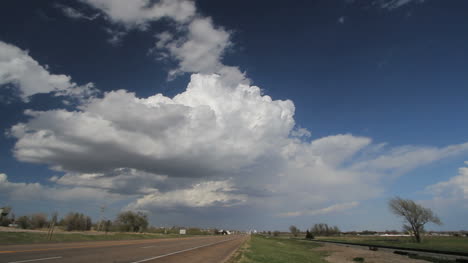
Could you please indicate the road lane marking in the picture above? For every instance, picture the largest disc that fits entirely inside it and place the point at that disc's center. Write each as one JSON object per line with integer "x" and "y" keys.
{"x": 182, "y": 251}
{"x": 31, "y": 260}
{"x": 63, "y": 248}
{"x": 148, "y": 246}
{"x": 115, "y": 243}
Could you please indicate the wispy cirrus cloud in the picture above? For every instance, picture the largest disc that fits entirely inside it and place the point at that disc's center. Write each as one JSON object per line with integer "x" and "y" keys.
{"x": 389, "y": 5}
{"x": 336, "y": 208}
{"x": 394, "y": 4}
{"x": 75, "y": 13}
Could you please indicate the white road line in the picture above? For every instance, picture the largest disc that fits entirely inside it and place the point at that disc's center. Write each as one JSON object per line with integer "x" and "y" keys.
{"x": 31, "y": 260}
{"x": 182, "y": 251}
{"x": 148, "y": 246}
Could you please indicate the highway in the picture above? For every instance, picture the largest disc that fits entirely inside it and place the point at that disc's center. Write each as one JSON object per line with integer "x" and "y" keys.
{"x": 209, "y": 249}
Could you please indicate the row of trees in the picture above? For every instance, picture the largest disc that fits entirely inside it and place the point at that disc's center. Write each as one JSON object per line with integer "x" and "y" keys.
{"x": 125, "y": 222}
{"x": 316, "y": 230}
{"x": 414, "y": 215}
{"x": 34, "y": 221}
{"x": 324, "y": 230}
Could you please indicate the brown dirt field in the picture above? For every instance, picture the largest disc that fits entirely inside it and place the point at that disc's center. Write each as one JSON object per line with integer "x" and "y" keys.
{"x": 342, "y": 254}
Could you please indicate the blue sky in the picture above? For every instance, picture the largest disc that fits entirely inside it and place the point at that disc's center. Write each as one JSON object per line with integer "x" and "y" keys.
{"x": 270, "y": 114}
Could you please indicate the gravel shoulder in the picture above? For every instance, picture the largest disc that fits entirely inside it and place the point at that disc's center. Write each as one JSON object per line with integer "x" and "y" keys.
{"x": 342, "y": 254}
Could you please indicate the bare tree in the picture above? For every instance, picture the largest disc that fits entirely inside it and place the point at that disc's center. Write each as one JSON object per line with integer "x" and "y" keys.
{"x": 294, "y": 230}
{"x": 415, "y": 215}
{"x": 38, "y": 221}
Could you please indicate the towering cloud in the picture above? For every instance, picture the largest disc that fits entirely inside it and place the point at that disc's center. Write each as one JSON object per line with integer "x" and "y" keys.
{"x": 205, "y": 130}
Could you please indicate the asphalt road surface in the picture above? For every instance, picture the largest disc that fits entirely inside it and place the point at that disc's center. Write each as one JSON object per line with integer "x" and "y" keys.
{"x": 194, "y": 249}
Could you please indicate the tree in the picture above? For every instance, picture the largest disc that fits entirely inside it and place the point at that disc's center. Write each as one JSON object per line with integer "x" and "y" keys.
{"x": 107, "y": 225}
{"x": 132, "y": 222}
{"x": 294, "y": 231}
{"x": 24, "y": 222}
{"x": 416, "y": 216}
{"x": 76, "y": 221}
{"x": 309, "y": 235}
{"x": 4, "y": 220}
{"x": 38, "y": 221}
{"x": 324, "y": 230}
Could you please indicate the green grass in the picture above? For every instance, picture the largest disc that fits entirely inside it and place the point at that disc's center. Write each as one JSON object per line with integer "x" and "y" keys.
{"x": 9, "y": 238}
{"x": 430, "y": 259}
{"x": 280, "y": 250}
{"x": 455, "y": 244}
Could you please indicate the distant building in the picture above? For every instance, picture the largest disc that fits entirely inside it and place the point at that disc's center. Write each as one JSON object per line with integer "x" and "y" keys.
{"x": 395, "y": 235}
{"x": 224, "y": 232}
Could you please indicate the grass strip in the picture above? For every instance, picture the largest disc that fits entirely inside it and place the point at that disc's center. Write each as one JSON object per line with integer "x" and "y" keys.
{"x": 278, "y": 250}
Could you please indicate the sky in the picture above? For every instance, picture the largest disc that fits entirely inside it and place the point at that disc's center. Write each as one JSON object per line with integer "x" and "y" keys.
{"x": 235, "y": 114}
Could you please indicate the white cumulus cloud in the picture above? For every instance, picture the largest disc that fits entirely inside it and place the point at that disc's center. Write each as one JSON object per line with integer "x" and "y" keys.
{"x": 160, "y": 148}
{"x": 20, "y": 70}
{"x": 207, "y": 129}
{"x": 200, "y": 50}
{"x": 122, "y": 181}
{"x": 454, "y": 188}
{"x": 137, "y": 13}
{"x": 210, "y": 193}
{"x": 198, "y": 47}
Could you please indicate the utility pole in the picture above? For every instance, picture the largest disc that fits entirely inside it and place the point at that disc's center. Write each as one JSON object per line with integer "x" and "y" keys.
{"x": 101, "y": 221}
{"x": 53, "y": 221}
